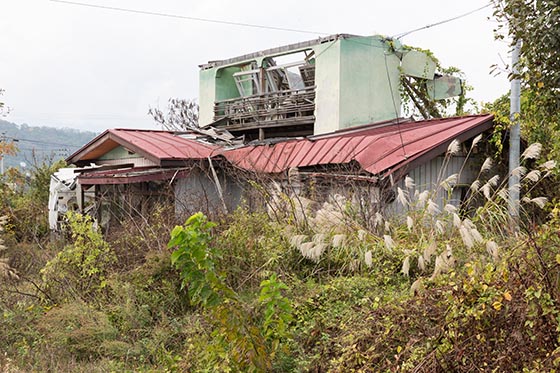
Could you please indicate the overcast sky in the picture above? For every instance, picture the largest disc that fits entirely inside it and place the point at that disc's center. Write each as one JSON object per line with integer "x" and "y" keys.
{"x": 64, "y": 65}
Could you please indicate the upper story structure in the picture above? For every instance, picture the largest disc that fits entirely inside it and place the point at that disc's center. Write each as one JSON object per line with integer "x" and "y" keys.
{"x": 314, "y": 87}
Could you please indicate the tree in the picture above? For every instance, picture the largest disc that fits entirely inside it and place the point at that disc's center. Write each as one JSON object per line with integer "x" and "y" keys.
{"x": 182, "y": 115}
{"x": 537, "y": 24}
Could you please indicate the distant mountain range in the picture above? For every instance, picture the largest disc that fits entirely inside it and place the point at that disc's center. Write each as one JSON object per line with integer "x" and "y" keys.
{"x": 37, "y": 144}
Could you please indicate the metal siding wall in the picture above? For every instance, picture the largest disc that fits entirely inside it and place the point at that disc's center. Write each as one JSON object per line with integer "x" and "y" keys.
{"x": 425, "y": 177}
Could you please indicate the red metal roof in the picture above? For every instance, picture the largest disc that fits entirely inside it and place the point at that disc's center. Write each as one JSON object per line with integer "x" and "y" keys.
{"x": 161, "y": 147}
{"x": 378, "y": 149}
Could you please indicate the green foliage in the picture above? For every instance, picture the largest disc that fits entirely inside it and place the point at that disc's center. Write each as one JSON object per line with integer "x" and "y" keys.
{"x": 80, "y": 270}
{"x": 277, "y": 308}
{"x": 255, "y": 247}
{"x": 241, "y": 342}
{"x": 270, "y": 294}
{"x": 25, "y": 200}
{"x": 416, "y": 100}
{"x": 196, "y": 260}
{"x": 537, "y": 25}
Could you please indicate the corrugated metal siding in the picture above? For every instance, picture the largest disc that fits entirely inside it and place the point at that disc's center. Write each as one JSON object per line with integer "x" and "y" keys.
{"x": 429, "y": 175}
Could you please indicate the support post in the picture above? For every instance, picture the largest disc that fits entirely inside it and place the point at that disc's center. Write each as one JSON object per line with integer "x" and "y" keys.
{"x": 514, "y": 138}
{"x": 218, "y": 186}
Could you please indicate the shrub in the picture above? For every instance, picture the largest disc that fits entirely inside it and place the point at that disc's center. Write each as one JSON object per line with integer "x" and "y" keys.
{"x": 80, "y": 270}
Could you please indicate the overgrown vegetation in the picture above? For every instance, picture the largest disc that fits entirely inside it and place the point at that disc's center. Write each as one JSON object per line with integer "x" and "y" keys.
{"x": 293, "y": 289}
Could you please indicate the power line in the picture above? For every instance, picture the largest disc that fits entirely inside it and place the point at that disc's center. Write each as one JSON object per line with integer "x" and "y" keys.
{"x": 398, "y": 36}
{"x": 199, "y": 19}
{"x": 41, "y": 142}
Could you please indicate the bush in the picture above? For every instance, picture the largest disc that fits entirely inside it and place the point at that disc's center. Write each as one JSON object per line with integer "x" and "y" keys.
{"x": 79, "y": 271}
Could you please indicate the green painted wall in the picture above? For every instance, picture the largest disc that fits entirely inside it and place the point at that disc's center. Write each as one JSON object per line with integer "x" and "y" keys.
{"x": 215, "y": 85}
{"x": 118, "y": 153}
{"x": 225, "y": 84}
{"x": 369, "y": 82}
{"x": 327, "y": 80}
{"x": 206, "y": 96}
{"x": 353, "y": 83}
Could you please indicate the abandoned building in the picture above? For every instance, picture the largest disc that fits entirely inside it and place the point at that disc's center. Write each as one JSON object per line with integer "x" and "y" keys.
{"x": 314, "y": 119}
{"x": 315, "y": 87}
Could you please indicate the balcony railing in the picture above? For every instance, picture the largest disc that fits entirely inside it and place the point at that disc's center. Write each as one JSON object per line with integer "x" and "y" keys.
{"x": 273, "y": 109}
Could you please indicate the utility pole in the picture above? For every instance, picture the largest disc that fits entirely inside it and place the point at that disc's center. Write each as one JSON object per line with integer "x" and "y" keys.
{"x": 3, "y": 143}
{"x": 514, "y": 137}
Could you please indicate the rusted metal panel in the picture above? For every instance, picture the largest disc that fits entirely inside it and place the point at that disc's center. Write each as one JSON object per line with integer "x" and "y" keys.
{"x": 130, "y": 176}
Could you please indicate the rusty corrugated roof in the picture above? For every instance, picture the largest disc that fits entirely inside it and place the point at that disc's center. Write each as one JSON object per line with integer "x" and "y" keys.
{"x": 161, "y": 147}
{"x": 377, "y": 149}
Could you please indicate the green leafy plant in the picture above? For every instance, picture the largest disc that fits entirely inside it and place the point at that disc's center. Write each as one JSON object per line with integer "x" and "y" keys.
{"x": 241, "y": 341}
{"x": 80, "y": 270}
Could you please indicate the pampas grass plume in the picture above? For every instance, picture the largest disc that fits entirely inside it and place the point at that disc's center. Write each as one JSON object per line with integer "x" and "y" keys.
{"x": 401, "y": 197}
{"x": 533, "y": 151}
{"x": 534, "y": 176}
{"x": 487, "y": 165}
{"x": 549, "y": 165}
{"x": 540, "y": 201}
{"x": 389, "y": 243}
{"x": 406, "y": 266}
{"x": 409, "y": 182}
{"x": 475, "y": 186}
{"x": 338, "y": 240}
{"x": 519, "y": 171}
{"x": 439, "y": 227}
{"x": 368, "y": 258}
{"x": 492, "y": 249}
{"x": 297, "y": 240}
{"x": 449, "y": 208}
{"x": 409, "y": 223}
{"x": 466, "y": 237}
{"x": 423, "y": 197}
{"x": 433, "y": 207}
{"x": 476, "y": 140}
{"x": 486, "y": 189}
{"x": 454, "y": 147}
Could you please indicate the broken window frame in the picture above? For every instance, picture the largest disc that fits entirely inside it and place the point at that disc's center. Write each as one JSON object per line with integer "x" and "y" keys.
{"x": 271, "y": 83}
{"x": 250, "y": 76}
